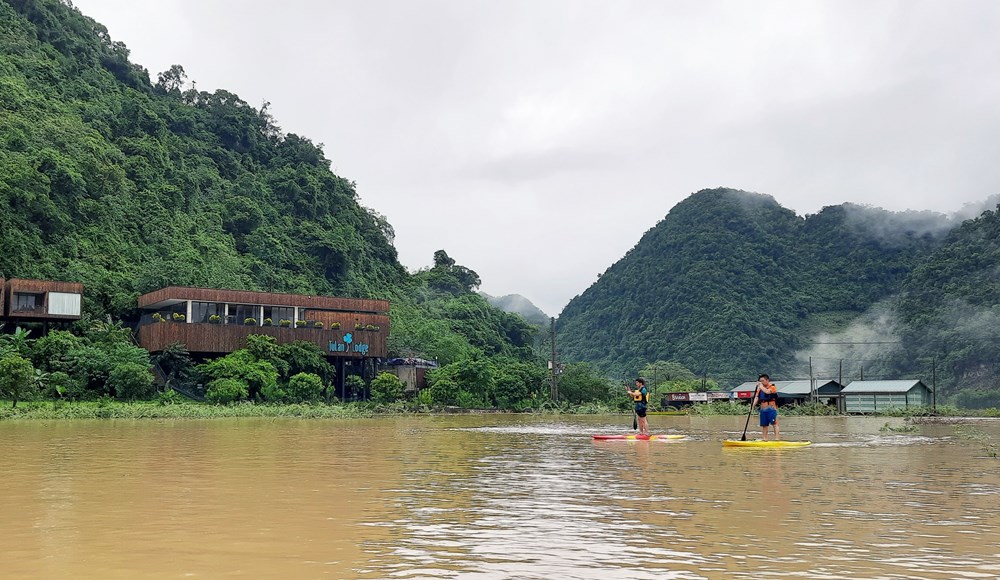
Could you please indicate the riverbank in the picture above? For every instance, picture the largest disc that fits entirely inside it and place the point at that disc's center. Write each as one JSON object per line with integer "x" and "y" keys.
{"x": 112, "y": 409}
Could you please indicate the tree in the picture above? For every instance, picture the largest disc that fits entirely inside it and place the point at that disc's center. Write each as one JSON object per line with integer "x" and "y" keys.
{"x": 442, "y": 260}
{"x": 171, "y": 80}
{"x": 581, "y": 383}
{"x": 17, "y": 378}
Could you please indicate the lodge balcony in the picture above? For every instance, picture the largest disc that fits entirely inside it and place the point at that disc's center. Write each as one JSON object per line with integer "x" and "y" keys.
{"x": 212, "y": 322}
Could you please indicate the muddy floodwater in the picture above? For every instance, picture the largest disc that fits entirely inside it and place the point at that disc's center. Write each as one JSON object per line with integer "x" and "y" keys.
{"x": 494, "y": 496}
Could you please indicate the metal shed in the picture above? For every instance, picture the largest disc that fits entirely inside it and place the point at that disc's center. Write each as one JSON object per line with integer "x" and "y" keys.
{"x": 795, "y": 392}
{"x": 875, "y": 396}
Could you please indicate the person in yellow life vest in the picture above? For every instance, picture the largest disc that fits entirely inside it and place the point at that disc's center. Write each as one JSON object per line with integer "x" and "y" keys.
{"x": 767, "y": 395}
{"x": 641, "y": 397}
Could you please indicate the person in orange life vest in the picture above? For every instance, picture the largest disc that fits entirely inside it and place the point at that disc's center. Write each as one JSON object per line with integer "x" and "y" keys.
{"x": 767, "y": 396}
{"x": 641, "y": 397}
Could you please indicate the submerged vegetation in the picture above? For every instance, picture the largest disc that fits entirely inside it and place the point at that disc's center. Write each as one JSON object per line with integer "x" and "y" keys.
{"x": 986, "y": 443}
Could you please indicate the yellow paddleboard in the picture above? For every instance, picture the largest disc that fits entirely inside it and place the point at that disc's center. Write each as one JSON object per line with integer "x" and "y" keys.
{"x": 765, "y": 444}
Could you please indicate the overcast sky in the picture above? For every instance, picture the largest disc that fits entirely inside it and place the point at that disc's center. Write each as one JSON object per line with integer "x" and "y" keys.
{"x": 535, "y": 141}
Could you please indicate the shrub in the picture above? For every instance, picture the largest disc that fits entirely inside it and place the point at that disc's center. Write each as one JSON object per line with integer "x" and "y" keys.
{"x": 354, "y": 384}
{"x": 224, "y": 391}
{"x": 305, "y": 387}
{"x": 273, "y": 393}
{"x": 445, "y": 392}
{"x": 386, "y": 388}
{"x": 131, "y": 381}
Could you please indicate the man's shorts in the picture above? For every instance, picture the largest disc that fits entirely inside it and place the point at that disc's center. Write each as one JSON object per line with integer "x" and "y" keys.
{"x": 768, "y": 416}
{"x": 640, "y": 411}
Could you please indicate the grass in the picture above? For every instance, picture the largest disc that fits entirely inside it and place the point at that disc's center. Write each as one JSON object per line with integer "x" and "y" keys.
{"x": 970, "y": 433}
{"x": 105, "y": 409}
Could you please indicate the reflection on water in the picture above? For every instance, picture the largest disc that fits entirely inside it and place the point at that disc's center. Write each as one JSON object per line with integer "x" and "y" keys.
{"x": 493, "y": 497}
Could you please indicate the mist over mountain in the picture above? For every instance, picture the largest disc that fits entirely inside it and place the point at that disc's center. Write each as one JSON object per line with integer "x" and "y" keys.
{"x": 517, "y": 304}
{"x": 730, "y": 284}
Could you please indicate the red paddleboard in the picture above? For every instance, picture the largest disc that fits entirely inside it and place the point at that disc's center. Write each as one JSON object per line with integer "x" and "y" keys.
{"x": 636, "y": 437}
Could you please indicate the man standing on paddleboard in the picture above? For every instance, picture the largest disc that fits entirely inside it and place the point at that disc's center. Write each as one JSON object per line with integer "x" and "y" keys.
{"x": 767, "y": 394}
{"x": 641, "y": 396}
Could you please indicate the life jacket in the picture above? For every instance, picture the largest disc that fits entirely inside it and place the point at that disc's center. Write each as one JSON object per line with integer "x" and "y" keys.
{"x": 641, "y": 396}
{"x": 765, "y": 396}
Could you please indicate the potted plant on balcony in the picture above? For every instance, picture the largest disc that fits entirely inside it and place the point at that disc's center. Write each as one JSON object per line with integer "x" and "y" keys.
{"x": 284, "y": 323}
{"x": 268, "y": 322}
{"x": 178, "y": 317}
{"x": 300, "y": 323}
{"x": 215, "y": 319}
{"x": 371, "y": 327}
{"x": 250, "y": 321}
{"x": 318, "y": 324}
{"x": 359, "y": 326}
{"x": 334, "y": 326}
{"x": 157, "y": 317}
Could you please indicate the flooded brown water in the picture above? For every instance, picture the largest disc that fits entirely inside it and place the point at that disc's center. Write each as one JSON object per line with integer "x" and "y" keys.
{"x": 493, "y": 497}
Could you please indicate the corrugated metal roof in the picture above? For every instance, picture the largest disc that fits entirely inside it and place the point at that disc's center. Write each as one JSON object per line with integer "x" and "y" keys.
{"x": 881, "y": 386}
{"x": 787, "y": 387}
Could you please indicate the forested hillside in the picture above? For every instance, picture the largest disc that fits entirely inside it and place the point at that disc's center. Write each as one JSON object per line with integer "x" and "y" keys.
{"x": 731, "y": 284}
{"x": 129, "y": 185}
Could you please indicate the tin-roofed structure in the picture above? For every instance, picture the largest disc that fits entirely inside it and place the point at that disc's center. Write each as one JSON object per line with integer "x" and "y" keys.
{"x": 875, "y": 396}
{"x": 795, "y": 392}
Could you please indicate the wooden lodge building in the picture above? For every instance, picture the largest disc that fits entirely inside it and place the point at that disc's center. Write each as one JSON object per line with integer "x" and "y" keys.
{"x": 44, "y": 301}
{"x": 213, "y": 322}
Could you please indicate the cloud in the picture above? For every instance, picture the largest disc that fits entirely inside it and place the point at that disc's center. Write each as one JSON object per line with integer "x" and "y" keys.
{"x": 537, "y": 141}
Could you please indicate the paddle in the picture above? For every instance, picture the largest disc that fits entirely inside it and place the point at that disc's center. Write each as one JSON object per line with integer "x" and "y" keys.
{"x": 635, "y": 421}
{"x": 750, "y": 410}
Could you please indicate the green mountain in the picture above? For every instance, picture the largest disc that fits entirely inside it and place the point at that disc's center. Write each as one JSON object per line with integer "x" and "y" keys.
{"x": 126, "y": 185}
{"x": 731, "y": 283}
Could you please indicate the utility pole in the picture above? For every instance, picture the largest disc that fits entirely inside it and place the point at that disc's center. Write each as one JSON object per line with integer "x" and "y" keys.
{"x": 554, "y": 389}
{"x": 812, "y": 382}
{"x": 934, "y": 384}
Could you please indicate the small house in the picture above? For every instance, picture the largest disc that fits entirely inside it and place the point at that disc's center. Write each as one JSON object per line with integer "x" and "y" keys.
{"x": 876, "y": 396}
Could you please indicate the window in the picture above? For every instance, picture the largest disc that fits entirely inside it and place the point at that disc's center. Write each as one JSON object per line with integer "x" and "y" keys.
{"x": 279, "y": 313}
{"x": 240, "y": 312}
{"x": 27, "y": 302}
{"x": 64, "y": 304}
{"x": 202, "y": 311}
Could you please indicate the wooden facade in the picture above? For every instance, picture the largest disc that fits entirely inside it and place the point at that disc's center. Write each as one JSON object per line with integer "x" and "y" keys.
{"x": 343, "y": 327}
{"x": 40, "y": 300}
